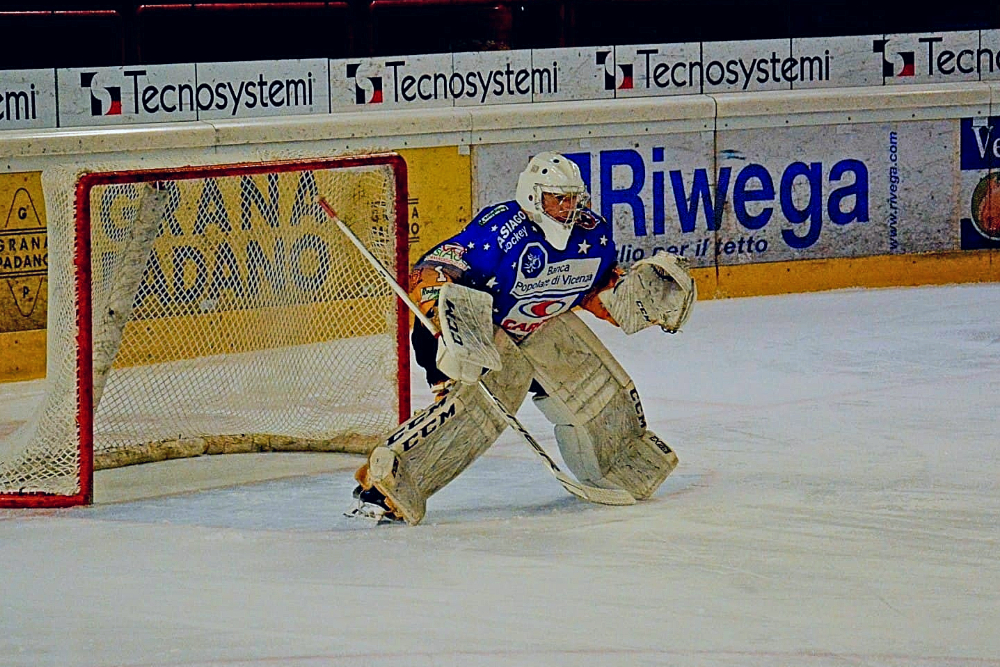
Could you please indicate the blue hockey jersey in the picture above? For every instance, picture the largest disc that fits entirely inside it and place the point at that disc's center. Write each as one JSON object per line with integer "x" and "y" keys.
{"x": 502, "y": 252}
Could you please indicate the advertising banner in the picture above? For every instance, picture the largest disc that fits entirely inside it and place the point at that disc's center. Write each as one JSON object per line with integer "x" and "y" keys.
{"x": 169, "y": 93}
{"x": 979, "y": 193}
{"x": 744, "y": 66}
{"x": 24, "y": 253}
{"x": 654, "y": 70}
{"x": 460, "y": 79}
{"x": 764, "y": 195}
{"x": 833, "y": 62}
{"x": 211, "y": 91}
{"x": 124, "y": 95}
{"x": 258, "y": 89}
{"x": 947, "y": 57}
{"x": 382, "y": 84}
{"x": 988, "y": 55}
{"x": 577, "y": 74}
{"x": 27, "y": 99}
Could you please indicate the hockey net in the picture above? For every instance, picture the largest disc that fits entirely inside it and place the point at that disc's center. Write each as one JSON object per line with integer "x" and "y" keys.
{"x": 214, "y": 309}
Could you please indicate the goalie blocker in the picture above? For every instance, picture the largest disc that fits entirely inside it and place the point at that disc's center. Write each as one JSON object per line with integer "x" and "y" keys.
{"x": 600, "y": 426}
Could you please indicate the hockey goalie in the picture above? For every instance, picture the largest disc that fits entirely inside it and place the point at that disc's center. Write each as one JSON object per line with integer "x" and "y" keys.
{"x": 502, "y": 294}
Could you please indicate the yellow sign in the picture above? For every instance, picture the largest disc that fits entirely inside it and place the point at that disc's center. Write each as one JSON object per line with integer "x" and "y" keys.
{"x": 24, "y": 253}
{"x": 440, "y": 191}
{"x": 23, "y": 277}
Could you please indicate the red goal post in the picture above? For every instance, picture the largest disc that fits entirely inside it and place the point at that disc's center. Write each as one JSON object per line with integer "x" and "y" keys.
{"x": 214, "y": 309}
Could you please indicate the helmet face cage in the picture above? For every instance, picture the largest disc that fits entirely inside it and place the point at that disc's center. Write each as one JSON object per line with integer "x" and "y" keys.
{"x": 558, "y": 175}
{"x": 582, "y": 198}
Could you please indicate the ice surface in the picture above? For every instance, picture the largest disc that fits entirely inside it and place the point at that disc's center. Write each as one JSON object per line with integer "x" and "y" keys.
{"x": 836, "y": 505}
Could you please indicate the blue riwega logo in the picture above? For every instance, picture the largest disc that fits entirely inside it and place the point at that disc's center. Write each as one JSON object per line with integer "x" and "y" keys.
{"x": 802, "y": 197}
{"x": 980, "y": 152}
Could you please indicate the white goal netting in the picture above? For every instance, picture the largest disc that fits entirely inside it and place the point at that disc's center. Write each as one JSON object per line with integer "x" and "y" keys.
{"x": 213, "y": 309}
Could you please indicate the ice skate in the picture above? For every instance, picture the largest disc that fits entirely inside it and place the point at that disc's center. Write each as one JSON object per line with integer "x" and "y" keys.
{"x": 372, "y": 505}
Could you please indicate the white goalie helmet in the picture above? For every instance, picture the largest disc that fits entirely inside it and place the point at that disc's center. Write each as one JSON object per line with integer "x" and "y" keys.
{"x": 558, "y": 176}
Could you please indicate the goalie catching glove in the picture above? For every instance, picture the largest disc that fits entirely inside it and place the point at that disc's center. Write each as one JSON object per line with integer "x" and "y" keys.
{"x": 658, "y": 290}
{"x": 465, "y": 349}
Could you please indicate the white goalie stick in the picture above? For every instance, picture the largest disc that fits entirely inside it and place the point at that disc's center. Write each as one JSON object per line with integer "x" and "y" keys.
{"x": 589, "y": 493}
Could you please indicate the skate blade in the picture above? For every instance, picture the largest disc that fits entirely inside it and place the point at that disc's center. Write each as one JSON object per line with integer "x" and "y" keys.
{"x": 373, "y": 514}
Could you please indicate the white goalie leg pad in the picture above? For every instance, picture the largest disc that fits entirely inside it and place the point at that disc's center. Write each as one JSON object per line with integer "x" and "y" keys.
{"x": 600, "y": 424}
{"x": 436, "y": 444}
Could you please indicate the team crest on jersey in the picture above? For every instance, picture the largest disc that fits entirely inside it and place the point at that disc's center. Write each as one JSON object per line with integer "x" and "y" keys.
{"x": 450, "y": 254}
{"x": 538, "y": 276}
{"x": 532, "y": 261}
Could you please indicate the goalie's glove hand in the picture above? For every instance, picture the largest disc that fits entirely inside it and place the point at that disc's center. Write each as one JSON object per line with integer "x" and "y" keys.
{"x": 658, "y": 290}
{"x": 465, "y": 347}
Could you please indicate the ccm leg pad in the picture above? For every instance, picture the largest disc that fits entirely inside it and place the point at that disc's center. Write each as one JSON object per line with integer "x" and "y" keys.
{"x": 436, "y": 444}
{"x": 600, "y": 424}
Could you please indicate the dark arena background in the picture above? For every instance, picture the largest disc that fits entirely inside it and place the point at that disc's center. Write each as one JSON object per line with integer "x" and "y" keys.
{"x": 90, "y": 33}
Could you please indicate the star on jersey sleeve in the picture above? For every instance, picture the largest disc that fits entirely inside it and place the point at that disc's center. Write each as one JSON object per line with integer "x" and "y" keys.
{"x": 480, "y": 254}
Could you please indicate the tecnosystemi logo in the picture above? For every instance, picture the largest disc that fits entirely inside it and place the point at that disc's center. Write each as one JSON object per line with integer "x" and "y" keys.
{"x": 616, "y": 77}
{"x": 440, "y": 80}
{"x": 957, "y": 56}
{"x": 906, "y": 60}
{"x": 104, "y": 100}
{"x": 367, "y": 89}
{"x": 182, "y": 92}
